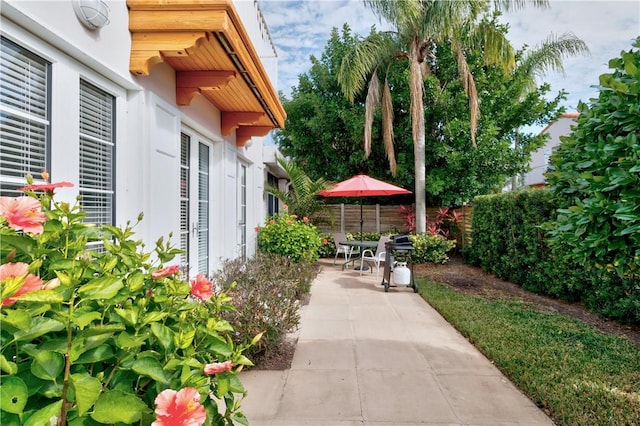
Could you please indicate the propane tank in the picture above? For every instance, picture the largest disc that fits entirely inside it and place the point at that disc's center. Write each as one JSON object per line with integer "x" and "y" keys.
{"x": 401, "y": 274}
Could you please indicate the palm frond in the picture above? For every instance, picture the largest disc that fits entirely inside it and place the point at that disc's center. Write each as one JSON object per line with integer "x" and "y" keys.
{"x": 508, "y": 5}
{"x": 492, "y": 42}
{"x": 469, "y": 85}
{"x": 548, "y": 56}
{"x": 387, "y": 127}
{"x": 372, "y": 102}
{"x": 358, "y": 64}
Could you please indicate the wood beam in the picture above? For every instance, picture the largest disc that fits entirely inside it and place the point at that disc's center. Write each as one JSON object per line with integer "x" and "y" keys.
{"x": 244, "y": 133}
{"x": 190, "y": 83}
{"x": 233, "y": 120}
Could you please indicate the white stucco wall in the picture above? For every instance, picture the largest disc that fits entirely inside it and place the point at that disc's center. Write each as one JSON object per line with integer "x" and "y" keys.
{"x": 540, "y": 158}
{"x": 148, "y": 123}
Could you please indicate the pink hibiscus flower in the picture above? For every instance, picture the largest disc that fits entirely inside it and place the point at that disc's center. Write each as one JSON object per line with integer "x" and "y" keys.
{"x": 19, "y": 269}
{"x": 23, "y": 213}
{"x": 46, "y": 187}
{"x": 218, "y": 367}
{"x": 181, "y": 408}
{"x": 165, "y": 272}
{"x": 201, "y": 287}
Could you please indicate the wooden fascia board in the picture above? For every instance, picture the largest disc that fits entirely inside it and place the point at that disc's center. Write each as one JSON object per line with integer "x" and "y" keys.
{"x": 161, "y": 27}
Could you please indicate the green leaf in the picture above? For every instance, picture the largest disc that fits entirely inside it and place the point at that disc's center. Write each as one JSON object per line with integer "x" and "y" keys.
{"x": 130, "y": 316}
{"x": 43, "y": 416}
{"x": 150, "y": 367}
{"x": 101, "y": 288}
{"x": 135, "y": 281}
{"x": 103, "y": 329}
{"x": 224, "y": 384}
{"x": 101, "y": 353}
{"x": 47, "y": 365}
{"x": 115, "y": 406}
{"x": 45, "y": 296}
{"x": 164, "y": 335}
{"x": 39, "y": 327}
{"x": 18, "y": 318}
{"x": 153, "y": 316}
{"x": 25, "y": 245}
{"x": 87, "y": 390}
{"x": 85, "y": 319}
{"x": 7, "y": 366}
{"x": 127, "y": 341}
{"x": 13, "y": 395}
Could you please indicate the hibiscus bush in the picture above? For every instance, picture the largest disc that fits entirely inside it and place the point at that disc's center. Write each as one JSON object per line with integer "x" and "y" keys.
{"x": 97, "y": 331}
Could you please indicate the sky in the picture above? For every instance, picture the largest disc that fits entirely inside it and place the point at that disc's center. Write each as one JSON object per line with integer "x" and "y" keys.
{"x": 301, "y": 28}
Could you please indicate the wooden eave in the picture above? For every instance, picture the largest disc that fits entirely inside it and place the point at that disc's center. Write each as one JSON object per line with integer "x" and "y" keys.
{"x": 205, "y": 42}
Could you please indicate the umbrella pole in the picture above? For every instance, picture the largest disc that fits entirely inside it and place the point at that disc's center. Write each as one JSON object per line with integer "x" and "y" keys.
{"x": 361, "y": 221}
{"x": 363, "y": 267}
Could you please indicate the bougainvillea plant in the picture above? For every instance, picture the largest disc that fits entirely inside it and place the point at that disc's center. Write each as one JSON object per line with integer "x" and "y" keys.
{"x": 97, "y": 331}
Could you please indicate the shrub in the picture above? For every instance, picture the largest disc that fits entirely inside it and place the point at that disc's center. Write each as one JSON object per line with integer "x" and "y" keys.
{"x": 430, "y": 248}
{"x": 94, "y": 337}
{"x": 328, "y": 246}
{"x": 286, "y": 235}
{"x": 266, "y": 292}
{"x": 595, "y": 175}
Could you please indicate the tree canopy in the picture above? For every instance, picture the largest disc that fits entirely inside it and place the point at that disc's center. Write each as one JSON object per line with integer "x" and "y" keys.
{"x": 324, "y": 132}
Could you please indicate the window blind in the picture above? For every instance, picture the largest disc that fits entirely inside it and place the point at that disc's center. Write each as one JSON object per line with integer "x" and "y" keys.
{"x": 97, "y": 154}
{"x": 24, "y": 116}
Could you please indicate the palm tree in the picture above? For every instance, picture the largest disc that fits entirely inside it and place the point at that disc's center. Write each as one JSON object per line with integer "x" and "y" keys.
{"x": 418, "y": 27}
{"x": 301, "y": 197}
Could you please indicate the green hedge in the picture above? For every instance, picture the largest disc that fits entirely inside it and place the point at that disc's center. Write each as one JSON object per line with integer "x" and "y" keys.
{"x": 508, "y": 240}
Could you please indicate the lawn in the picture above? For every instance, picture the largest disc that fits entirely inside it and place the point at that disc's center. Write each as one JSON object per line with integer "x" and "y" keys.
{"x": 575, "y": 373}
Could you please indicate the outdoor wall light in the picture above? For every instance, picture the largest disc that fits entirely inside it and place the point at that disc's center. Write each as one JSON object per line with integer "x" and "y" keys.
{"x": 93, "y": 14}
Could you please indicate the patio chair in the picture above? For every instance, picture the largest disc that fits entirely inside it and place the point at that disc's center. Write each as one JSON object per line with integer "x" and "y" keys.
{"x": 342, "y": 249}
{"x": 375, "y": 258}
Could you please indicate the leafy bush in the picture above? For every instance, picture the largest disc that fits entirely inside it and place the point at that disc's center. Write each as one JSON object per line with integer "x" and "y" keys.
{"x": 94, "y": 337}
{"x": 430, "y": 248}
{"x": 266, "y": 292}
{"x": 286, "y": 235}
{"x": 328, "y": 246}
{"x": 509, "y": 241}
{"x": 595, "y": 174}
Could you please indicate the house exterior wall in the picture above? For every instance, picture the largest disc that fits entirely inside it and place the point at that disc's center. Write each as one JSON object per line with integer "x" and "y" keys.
{"x": 540, "y": 158}
{"x": 149, "y": 124}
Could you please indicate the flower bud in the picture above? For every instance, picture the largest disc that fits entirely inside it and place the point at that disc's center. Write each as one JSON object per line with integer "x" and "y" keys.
{"x": 51, "y": 284}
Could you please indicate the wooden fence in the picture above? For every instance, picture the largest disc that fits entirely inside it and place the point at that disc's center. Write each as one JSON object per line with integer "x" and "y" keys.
{"x": 381, "y": 219}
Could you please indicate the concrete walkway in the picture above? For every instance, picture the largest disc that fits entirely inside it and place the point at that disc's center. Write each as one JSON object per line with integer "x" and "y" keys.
{"x": 366, "y": 357}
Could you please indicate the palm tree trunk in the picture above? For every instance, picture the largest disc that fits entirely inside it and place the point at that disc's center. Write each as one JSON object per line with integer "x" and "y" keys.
{"x": 418, "y": 133}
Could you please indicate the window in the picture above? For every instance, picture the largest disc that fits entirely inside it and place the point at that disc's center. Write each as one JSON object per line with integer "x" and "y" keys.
{"x": 242, "y": 219}
{"x": 24, "y": 116}
{"x": 96, "y": 184}
{"x": 272, "y": 201}
{"x": 203, "y": 208}
{"x": 185, "y": 142}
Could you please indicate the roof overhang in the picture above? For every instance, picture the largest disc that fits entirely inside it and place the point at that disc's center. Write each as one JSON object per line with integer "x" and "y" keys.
{"x": 206, "y": 44}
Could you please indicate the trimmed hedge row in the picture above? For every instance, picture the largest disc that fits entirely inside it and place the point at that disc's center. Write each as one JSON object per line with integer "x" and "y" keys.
{"x": 508, "y": 240}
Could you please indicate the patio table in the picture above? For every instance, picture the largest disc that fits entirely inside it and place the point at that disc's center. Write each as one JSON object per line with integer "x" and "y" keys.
{"x": 362, "y": 245}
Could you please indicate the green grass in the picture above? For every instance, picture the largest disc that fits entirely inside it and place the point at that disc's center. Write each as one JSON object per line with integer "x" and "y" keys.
{"x": 577, "y": 374}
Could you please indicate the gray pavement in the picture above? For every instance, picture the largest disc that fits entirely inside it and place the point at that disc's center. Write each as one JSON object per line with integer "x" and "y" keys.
{"x": 366, "y": 357}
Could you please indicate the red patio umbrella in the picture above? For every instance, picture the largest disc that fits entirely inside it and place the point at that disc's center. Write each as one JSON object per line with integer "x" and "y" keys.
{"x": 363, "y": 186}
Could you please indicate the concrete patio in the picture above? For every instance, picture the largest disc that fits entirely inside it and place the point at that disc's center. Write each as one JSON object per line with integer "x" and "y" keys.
{"x": 366, "y": 357}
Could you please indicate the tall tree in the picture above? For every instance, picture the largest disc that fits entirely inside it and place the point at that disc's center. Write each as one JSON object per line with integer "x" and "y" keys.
{"x": 322, "y": 125}
{"x": 418, "y": 26}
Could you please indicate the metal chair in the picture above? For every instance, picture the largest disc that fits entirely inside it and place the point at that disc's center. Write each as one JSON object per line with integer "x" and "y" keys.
{"x": 340, "y": 249}
{"x": 376, "y": 258}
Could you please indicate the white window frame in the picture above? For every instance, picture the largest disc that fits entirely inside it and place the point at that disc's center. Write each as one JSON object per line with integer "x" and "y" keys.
{"x": 64, "y": 140}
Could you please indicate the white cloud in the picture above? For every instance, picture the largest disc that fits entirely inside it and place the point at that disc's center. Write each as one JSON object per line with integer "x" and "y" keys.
{"x": 301, "y": 28}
